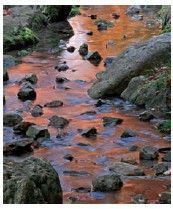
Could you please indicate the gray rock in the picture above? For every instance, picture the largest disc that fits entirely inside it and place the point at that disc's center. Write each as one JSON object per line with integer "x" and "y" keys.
{"x": 22, "y": 127}
{"x": 131, "y": 63}
{"x": 107, "y": 121}
{"x": 11, "y": 119}
{"x": 62, "y": 67}
{"x": 37, "y": 111}
{"x": 26, "y": 92}
{"x": 55, "y": 103}
{"x": 126, "y": 169}
{"x": 32, "y": 181}
{"x": 18, "y": 147}
{"x": 36, "y": 131}
{"x": 31, "y": 77}
{"x": 139, "y": 199}
{"x": 89, "y": 132}
{"x": 137, "y": 17}
{"x": 148, "y": 153}
{"x": 133, "y": 10}
{"x": 146, "y": 116}
{"x": 165, "y": 198}
{"x": 58, "y": 122}
{"x": 128, "y": 133}
{"x": 83, "y": 50}
{"x": 167, "y": 157}
{"x": 94, "y": 57}
{"x": 61, "y": 79}
{"x": 160, "y": 168}
{"x": 107, "y": 183}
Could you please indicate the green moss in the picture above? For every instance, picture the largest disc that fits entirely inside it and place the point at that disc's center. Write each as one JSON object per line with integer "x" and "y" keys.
{"x": 165, "y": 127}
{"x": 108, "y": 23}
{"x": 75, "y": 11}
{"x": 19, "y": 39}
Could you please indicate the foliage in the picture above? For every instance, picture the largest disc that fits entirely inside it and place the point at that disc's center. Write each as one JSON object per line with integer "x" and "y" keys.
{"x": 37, "y": 21}
{"x": 75, "y": 10}
{"x": 165, "y": 127}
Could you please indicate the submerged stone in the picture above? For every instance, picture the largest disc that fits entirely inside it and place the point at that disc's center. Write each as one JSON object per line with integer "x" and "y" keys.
{"x": 58, "y": 122}
{"x": 11, "y": 119}
{"x": 107, "y": 121}
{"x": 36, "y": 131}
{"x": 148, "y": 153}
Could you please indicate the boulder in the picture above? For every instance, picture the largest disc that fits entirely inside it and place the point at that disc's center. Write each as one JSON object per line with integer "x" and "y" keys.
{"x": 110, "y": 121}
{"x": 37, "y": 111}
{"x": 94, "y": 57}
{"x": 55, "y": 103}
{"x": 128, "y": 133}
{"x": 11, "y": 119}
{"x": 18, "y": 147}
{"x": 36, "y": 131}
{"x": 108, "y": 60}
{"x": 31, "y": 77}
{"x": 62, "y": 67}
{"x": 26, "y": 92}
{"x": 22, "y": 127}
{"x": 146, "y": 116}
{"x": 165, "y": 198}
{"x": 58, "y": 122}
{"x": 32, "y": 181}
{"x": 107, "y": 183}
{"x": 139, "y": 199}
{"x": 83, "y": 50}
{"x": 133, "y": 10}
{"x": 148, "y": 153}
{"x": 130, "y": 63}
{"x": 126, "y": 169}
{"x": 89, "y": 132}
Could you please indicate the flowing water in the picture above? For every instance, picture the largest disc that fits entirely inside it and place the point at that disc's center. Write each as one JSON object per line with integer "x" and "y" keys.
{"x": 97, "y": 154}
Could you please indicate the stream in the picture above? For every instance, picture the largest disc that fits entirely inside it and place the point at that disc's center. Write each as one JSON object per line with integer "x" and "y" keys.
{"x": 92, "y": 156}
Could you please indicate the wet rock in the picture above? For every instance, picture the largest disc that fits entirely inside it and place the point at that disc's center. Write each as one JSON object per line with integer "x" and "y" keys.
{"x": 18, "y": 147}
{"x": 160, "y": 168}
{"x": 146, "y": 116}
{"x": 32, "y": 181}
{"x": 89, "y": 33}
{"x": 107, "y": 183}
{"x": 100, "y": 102}
{"x": 92, "y": 112}
{"x": 37, "y": 111}
{"x": 5, "y": 75}
{"x": 132, "y": 62}
{"x": 93, "y": 17}
{"x": 167, "y": 157}
{"x": 126, "y": 169}
{"x": 148, "y": 153}
{"x": 31, "y": 77}
{"x": 107, "y": 121}
{"x": 128, "y": 133}
{"x": 11, "y": 119}
{"x": 36, "y": 131}
{"x": 115, "y": 15}
{"x": 62, "y": 67}
{"x": 61, "y": 79}
{"x": 139, "y": 199}
{"x": 58, "y": 122}
{"x": 82, "y": 189}
{"x": 22, "y": 127}
{"x": 76, "y": 173}
{"x": 71, "y": 49}
{"x": 133, "y": 10}
{"x": 83, "y": 50}
{"x": 133, "y": 148}
{"x": 68, "y": 157}
{"x": 26, "y": 92}
{"x": 55, "y": 103}
{"x": 165, "y": 198}
{"x": 108, "y": 60}
{"x": 94, "y": 57}
{"x": 101, "y": 26}
{"x": 89, "y": 132}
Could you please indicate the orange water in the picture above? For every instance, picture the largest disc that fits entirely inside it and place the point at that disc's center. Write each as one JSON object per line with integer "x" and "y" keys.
{"x": 76, "y": 101}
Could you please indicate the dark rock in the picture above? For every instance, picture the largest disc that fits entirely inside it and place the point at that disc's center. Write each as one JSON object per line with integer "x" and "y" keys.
{"x": 11, "y": 119}
{"x": 26, "y": 92}
{"x": 22, "y": 127}
{"x": 107, "y": 121}
{"x": 76, "y": 173}
{"x": 55, "y": 103}
{"x": 83, "y": 50}
{"x": 68, "y": 157}
{"x": 82, "y": 144}
{"x": 128, "y": 133}
{"x": 71, "y": 49}
{"x": 164, "y": 149}
{"x": 32, "y": 181}
{"x": 139, "y": 199}
{"x": 133, "y": 10}
{"x": 93, "y": 17}
{"x": 36, "y": 131}
{"x": 132, "y": 62}
{"x": 92, "y": 112}
{"x": 62, "y": 67}
{"x": 165, "y": 198}
{"x": 72, "y": 199}
{"x": 58, "y": 122}
{"x": 89, "y": 33}
{"x": 126, "y": 169}
{"x": 115, "y": 15}
{"x": 18, "y": 147}
{"x": 31, "y": 77}
{"x": 82, "y": 189}
{"x": 101, "y": 26}
{"x": 89, "y": 132}
{"x": 167, "y": 157}
{"x": 133, "y": 148}
{"x": 94, "y": 57}
{"x": 37, "y": 111}
{"x": 5, "y": 75}
{"x": 61, "y": 79}
{"x": 4, "y": 100}
{"x": 160, "y": 168}
{"x": 146, "y": 116}
{"x": 107, "y": 183}
{"x": 148, "y": 153}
